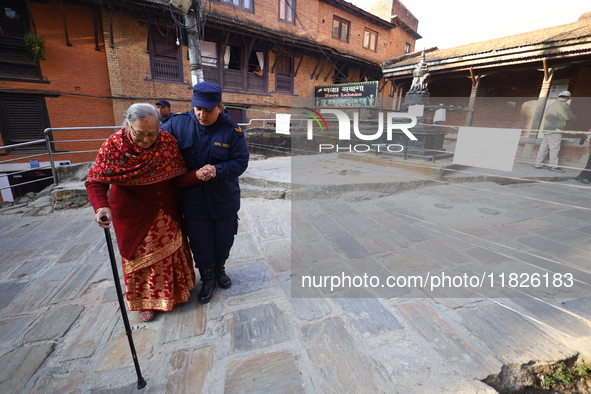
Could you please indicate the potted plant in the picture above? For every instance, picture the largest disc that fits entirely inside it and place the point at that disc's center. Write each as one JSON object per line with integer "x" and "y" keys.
{"x": 36, "y": 45}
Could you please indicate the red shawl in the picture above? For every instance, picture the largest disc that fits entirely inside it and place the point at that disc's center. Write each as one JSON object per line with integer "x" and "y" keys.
{"x": 122, "y": 162}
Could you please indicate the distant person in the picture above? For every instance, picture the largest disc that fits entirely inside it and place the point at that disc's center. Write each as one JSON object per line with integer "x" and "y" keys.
{"x": 142, "y": 164}
{"x": 163, "y": 110}
{"x": 555, "y": 118}
{"x": 215, "y": 146}
{"x": 585, "y": 175}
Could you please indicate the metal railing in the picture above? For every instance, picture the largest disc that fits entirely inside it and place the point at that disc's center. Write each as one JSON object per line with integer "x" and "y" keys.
{"x": 50, "y": 153}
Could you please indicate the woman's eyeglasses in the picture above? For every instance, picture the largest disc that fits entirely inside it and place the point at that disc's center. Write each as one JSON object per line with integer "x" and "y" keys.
{"x": 142, "y": 136}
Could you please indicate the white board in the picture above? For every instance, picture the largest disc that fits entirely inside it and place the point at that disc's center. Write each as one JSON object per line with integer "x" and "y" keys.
{"x": 486, "y": 147}
{"x": 439, "y": 115}
{"x": 417, "y": 110}
{"x": 282, "y": 123}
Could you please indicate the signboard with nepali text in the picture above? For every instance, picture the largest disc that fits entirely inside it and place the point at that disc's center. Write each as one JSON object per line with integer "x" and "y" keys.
{"x": 354, "y": 94}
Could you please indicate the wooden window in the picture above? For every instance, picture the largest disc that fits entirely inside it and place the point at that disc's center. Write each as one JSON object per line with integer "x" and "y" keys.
{"x": 23, "y": 118}
{"x": 246, "y": 5}
{"x": 239, "y": 73}
{"x": 287, "y": 11}
{"x": 340, "y": 28}
{"x": 407, "y": 48}
{"x": 284, "y": 74}
{"x": 16, "y": 61}
{"x": 370, "y": 39}
{"x": 209, "y": 60}
{"x": 237, "y": 114}
{"x": 166, "y": 59}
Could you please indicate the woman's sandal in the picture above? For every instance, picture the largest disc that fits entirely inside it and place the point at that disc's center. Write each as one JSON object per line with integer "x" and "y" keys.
{"x": 146, "y": 315}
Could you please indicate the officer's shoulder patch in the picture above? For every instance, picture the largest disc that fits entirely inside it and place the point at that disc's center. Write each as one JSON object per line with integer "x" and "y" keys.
{"x": 238, "y": 129}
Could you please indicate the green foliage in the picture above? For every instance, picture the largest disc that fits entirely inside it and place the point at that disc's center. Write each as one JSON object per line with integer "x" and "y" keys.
{"x": 561, "y": 375}
{"x": 36, "y": 45}
{"x": 549, "y": 382}
{"x": 564, "y": 374}
{"x": 583, "y": 370}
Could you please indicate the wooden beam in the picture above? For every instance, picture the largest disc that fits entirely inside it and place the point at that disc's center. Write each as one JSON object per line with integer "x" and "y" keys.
{"x": 321, "y": 67}
{"x": 383, "y": 86}
{"x": 472, "y": 77}
{"x": 355, "y": 73}
{"x": 274, "y": 62}
{"x": 111, "y": 40}
{"x": 68, "y": 43}
{"x": 95, "y": 21}
{"x": 545, "y": 69}
{"x": 335, "y": 71}
{"x": 222, "y": 54}
{"x": 317, "y": 64}
{"x": 298, "y": 67}
{"x": 361, "y": 76}
{"x": 249, "y": 50}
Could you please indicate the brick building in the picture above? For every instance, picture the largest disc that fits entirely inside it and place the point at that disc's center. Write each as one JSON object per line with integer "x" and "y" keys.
{"x": 103, "y": 55}
{"x": 262, "y": 52}
{"x": 509, "y": 81}
{"x": 70, "y": 88}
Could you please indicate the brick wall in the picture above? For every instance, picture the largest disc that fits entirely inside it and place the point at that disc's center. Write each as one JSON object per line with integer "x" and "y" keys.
{"x": 315, "y": 24}
{"x": 403, "y": 13}
{"x": 129, "y": 66}
{"x": 77, "y": 74}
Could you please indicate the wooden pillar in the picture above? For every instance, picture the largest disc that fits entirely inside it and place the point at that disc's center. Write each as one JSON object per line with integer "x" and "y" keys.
{"x": 394, "y": 95}
{"x": 399, "y": 98}
{"x": 543, "y": 97}
{"x": 475, "y": 83}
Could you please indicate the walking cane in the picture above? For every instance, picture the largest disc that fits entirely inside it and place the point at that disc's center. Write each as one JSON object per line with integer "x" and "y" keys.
{"x": 141, "y": 383}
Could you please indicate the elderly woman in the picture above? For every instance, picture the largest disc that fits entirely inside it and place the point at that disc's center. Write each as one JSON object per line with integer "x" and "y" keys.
{"x": 143, "y": 166}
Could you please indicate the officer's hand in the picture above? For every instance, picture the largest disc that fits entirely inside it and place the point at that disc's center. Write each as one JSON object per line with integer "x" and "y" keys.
{"x": 211, "y": 169}
{"x": 206, "y": 172}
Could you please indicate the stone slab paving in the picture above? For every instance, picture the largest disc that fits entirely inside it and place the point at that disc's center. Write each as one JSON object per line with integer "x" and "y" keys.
{"x": 449, "y": 340}
{"x": 18, "y": 366}
{"x": 337, "y": 360}
{"x": 258, "y": 327}
{"x": 266, "y": 373}
{"x": 185, "y": 321}
{"x": 55, "y": 323}
{"x": 61, "y": 330}
{"x": 191, "y": 368}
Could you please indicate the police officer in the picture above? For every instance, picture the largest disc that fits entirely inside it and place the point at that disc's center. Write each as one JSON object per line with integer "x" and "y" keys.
{"x": 163, "y": 110}
{"x": 214, "y": 146}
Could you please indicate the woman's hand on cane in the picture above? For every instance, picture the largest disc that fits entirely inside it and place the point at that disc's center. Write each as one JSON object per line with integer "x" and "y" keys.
{"x": 98, "y": 216}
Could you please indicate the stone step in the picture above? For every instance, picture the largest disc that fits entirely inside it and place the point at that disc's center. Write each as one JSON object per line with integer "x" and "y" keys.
{"x": 263, "y": 182}
{"x": 69, "y": 195}
{"x": 270, "y": 193}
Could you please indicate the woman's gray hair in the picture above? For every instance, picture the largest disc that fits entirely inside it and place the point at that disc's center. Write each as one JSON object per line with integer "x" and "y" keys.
{"x": 141, "y": 111}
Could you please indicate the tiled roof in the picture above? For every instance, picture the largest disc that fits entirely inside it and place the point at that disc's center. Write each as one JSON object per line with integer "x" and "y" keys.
{"x": 549, "y": 37}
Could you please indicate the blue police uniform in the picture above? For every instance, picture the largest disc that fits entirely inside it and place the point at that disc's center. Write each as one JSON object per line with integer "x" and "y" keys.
{"x": 166, "y": 118}
{"x": 210, "y": 208}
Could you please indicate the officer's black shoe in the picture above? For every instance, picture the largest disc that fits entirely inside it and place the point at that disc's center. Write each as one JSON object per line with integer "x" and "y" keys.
{"x": 207, "y": 285}
{"x": 582, "y": 180}
{"x": 220, "y": 273}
